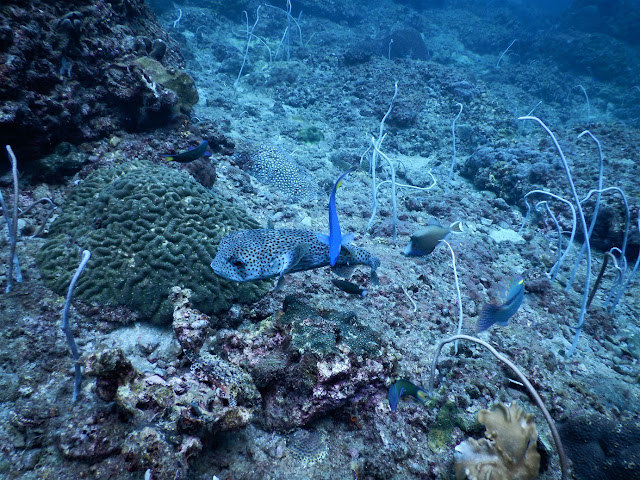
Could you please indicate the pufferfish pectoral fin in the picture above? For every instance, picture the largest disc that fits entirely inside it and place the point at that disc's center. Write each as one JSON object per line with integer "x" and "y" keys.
{"x": 295, "y": 255}
{"x": 289, "y": 260}
{"x": 286, "y": 261}
{"x": 324, "y": 239}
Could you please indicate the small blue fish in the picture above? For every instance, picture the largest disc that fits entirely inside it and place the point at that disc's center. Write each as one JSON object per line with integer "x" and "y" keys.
{"x": 405, "y": 387}
{"x": 189, "y": 155}
{"x": 501, "y": 314}
{"x": 335, "y": 240}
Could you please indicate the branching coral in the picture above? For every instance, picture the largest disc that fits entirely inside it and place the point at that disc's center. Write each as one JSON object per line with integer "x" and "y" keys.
{"x": 508, "y": 452}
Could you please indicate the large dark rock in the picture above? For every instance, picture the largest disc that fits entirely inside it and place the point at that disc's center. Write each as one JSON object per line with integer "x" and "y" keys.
{"x": 71, "y": 71}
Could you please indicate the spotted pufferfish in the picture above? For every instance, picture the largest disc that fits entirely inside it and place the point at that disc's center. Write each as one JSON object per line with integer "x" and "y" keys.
{"x": 266, "y": 253}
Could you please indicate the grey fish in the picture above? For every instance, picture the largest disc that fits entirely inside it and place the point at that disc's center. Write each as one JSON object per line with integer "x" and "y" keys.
{"x": 266, "y": 253}
{"x": 425, "y": 240}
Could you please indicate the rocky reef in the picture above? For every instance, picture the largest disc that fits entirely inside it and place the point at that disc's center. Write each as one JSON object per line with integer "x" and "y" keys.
{"x": 84, "y": 72}
{"x": 306, "y": 364}
{"x": 281, "y": 375}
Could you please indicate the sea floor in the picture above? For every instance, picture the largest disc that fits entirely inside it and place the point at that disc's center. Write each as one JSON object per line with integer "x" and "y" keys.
{"x": 323, "y": 105}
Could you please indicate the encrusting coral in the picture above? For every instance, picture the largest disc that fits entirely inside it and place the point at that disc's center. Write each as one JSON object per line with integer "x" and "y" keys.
{"x": 509, "y": 451}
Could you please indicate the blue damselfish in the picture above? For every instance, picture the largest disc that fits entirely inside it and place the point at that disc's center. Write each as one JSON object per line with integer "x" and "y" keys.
{"x": 335, "y": 240}
{"x": 501, "y": 314}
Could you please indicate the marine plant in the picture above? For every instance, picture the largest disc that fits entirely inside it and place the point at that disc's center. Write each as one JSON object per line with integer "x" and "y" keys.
{"x": 586, "y": 97}
{"x": 66, "y": 328}
{"x": 14, "y": 272}
{"x": 557, "y": 225}
{"x": 453, "y": 155}
{"x": 621, "y": 281}
{"x": 585, "y": 231}
{"x": 176, "y": 22}
{"x": 455, "y": 276}
{"x": 596, "y": 208}
{"x": 250, "y": 36}
{"x": 376, "y": 143}
{"x": 561, "y": 255}
{"x": 285, "y": 41}
{"x": 621, "y": 273}
{"x": 607, "y": 256}
{"x": 623, "y": 286}
{"x": 12, "y": 226}
{"x": 373, "y": 161}
{"x": 505, "y": 51}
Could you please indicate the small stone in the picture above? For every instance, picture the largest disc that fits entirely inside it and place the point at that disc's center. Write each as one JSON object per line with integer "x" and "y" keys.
{"x": 633, "y": 345}
{"x": 31, "y": 458}
{"x": 147, "y": 344}
{"x": 9, "y": 387}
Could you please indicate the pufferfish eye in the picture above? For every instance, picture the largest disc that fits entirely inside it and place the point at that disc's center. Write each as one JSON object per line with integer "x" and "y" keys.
{"x": 237, "y": 263}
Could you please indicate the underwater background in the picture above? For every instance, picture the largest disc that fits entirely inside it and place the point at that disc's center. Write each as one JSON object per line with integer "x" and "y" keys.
{"x": 147, "y": 335}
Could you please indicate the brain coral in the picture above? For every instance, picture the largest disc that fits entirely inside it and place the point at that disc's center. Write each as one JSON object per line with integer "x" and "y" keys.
{"x": 602, "y": 448}
{"x": 148, "y": 228}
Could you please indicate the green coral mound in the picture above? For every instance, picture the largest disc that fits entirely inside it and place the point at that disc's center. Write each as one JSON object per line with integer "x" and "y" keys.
{"x": 148, "y": 228}
{"x": 441, "y": 433}
{"x": 312, "y": 333}
{"x": 361, "y": 339}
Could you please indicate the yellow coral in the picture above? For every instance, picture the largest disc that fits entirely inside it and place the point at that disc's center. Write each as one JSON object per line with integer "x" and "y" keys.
{"x": 509, "y": 451}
